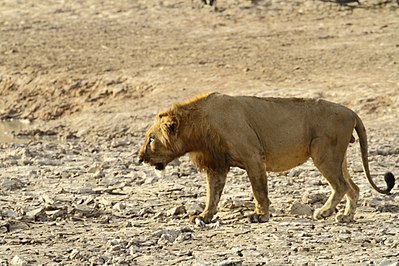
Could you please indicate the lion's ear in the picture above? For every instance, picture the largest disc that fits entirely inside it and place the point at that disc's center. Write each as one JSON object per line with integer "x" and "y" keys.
{"x": 169, "y": 124}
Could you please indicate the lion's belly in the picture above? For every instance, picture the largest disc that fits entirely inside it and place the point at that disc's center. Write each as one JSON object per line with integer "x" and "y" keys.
{"x": 283, "y": 160}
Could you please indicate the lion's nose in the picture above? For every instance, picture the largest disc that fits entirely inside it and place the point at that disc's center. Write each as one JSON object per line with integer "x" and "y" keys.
{"x": 140, "y": 158}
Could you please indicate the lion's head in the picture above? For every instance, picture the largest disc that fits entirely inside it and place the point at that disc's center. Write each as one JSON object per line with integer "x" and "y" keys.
{"x": 182, "y": 129}
{"x": 161, "y": 145}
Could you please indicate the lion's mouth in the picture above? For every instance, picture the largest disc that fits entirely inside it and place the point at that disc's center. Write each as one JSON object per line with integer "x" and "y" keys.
{"x": 159, "y": 166}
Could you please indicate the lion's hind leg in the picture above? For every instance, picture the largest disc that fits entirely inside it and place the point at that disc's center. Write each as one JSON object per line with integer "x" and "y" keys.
{"x": 351, "y": 197}
{"x": 329, "y": 161}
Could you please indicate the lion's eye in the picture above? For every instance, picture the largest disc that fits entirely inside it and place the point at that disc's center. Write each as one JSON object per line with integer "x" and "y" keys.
{"x": 150, "y": 140}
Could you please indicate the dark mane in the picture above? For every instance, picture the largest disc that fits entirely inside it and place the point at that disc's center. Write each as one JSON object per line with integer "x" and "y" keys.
{"x": 207, "y": 150}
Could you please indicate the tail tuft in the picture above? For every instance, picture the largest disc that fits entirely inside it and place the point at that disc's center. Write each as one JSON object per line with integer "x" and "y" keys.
{"x": 390, "y": 180}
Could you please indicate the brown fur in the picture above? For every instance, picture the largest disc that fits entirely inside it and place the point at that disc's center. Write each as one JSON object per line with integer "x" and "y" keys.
{"x": 259, "y": 134}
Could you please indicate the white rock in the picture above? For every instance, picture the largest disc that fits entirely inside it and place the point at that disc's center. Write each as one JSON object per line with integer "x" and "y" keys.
{"x": 55, "y": 214}
{"x": 120, "y": 206}
{"x": 33, "y": 214}
{"x": 18, "y": 261}
{"x": 387, "y": 262}
{"x": 74, "y": 254}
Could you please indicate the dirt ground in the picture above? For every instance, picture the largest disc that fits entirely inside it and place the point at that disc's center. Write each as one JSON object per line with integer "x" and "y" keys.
{"x": 80, "y": 81}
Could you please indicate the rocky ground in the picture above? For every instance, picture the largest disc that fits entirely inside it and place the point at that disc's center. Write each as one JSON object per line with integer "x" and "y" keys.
{"x": 80, "y": 81}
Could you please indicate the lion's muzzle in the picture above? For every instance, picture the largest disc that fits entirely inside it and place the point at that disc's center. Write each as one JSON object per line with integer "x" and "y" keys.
{"x": 140, "y": 157}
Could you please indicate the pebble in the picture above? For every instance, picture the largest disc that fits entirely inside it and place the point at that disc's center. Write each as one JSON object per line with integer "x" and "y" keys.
{"x": 167, "y": 236}
{"x": 53, "y": 215}
{"x": 389, "y": 262}
{"x": 230, "y": 262}
{"x": 120, "y": 206}
{"x": 295, "y": 172}
{"x": 179, "y": 210}
{"x": 35, "y": 213}
{"x": 94, "y": 168}
{"x": 18, "y": 261}
{"x": 12, "y": 184}
{"x": 74, "y": 254}
{"x": 49, "y": 163}
{"x": 145, "y": 211}
{"x": 308, "y": 198}
{"x": 194, "y": 208}
{"x": 9, "y": 213}
{"x": 298, "y": 208}
{"x": 85, "y": 211}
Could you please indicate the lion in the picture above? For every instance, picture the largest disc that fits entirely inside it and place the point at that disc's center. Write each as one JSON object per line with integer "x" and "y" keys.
{"x": 259, "y": 135}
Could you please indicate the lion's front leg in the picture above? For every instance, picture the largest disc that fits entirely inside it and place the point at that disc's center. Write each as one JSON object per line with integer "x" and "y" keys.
{"x": 215, "y": 182}
{"x": 257, "y": 176}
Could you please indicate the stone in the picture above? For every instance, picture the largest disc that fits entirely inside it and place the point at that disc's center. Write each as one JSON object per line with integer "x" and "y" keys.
{"x": 34, "y": 214}
{"x": 46, "y": 199}
{"x": 119, "y": 206}
{"x": 298, "y": 208}
{"x": 49, "y": 162}
{"x": 389, "y": 262}
{"x": 9, "y": 213}
{"x": 74, "y": 254}
{"x": 12, "y": 184}
{"x": 85, "y": 211}
{"x": 18, "y": 261}
{"x": 134, "y": 249}
{"x": 52, "y": 215}
{"x": 308, "y": 198}
{"x": 179, "y": 210}
{"x": 167, "y": 236}
{"x": 230, "y": 262}
{"x": 4, "y": 227}
{"x": 119, "y": 143}
{"x": 151, "y": 179}
{"x": 94, "y": 168}
{"x": 295, "y": 172}
{"x": 145, "y": 211}
{"x": 194, "y": 209}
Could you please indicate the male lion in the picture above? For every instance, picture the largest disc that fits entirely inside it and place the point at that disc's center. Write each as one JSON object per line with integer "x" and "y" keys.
{"x": 259, "y": 135}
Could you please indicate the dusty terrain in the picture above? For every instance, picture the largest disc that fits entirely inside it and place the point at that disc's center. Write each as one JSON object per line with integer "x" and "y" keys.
{"x": 87, "y": 78}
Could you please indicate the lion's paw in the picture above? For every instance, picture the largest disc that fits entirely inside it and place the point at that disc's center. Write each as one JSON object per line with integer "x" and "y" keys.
{"x": 198, "y": 220}
{"x": 320, "y": 214}
{"x": 258, "y": 218}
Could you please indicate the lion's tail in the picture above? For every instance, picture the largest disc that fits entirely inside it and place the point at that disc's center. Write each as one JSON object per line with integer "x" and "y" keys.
{"x": 389, "y": 177}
